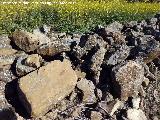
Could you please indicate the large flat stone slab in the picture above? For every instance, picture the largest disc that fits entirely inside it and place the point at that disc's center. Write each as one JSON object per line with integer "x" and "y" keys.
{"x": 41, "y": 89}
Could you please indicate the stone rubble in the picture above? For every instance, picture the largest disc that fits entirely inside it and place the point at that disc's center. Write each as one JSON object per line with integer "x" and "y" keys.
{"x": 109, "y": 73}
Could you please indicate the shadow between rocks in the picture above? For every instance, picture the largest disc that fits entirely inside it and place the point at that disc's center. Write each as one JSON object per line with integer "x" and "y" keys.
{"x": 108, "y": 83}
{"x": 7, "y": 114}
{"x": 13, "y": 95}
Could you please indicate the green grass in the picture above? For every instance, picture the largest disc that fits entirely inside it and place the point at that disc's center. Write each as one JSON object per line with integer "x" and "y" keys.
{"x": 79, "y": 17}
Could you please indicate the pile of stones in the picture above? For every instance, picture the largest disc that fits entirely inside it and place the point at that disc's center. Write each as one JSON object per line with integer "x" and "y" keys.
{"x": 111, "y": 73}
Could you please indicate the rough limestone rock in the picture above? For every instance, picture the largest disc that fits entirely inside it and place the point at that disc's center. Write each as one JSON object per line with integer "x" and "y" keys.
{"x": 41, "y": 89}
{"x": 63, "y": 105}
{"x": 87, "y": 43}
{"x": 118, "y": 38}
{"x": 96, "y": 115}
{"x": 59, "y": 42}
{"x": 25, "y": 40}
{"x": 87, "y": 88}
{"x": 152, "y": 100}
{"x": 6, "y": 75}
{"x": 115, "y": 26}
{"x": 7, "y": 58}
{"x": 28, "y": 63}
{"x": 5, "y": 41}
{"x": 134, "y": 114}
{"x": 34, "y": 60}
{"x": 8, "y": 55}
{"x": 97, "y": 60}
{"x": 80, "y": 74}
{"x": 128, "y": 79}
{"x": 52, "y": 115}
{"x": 41, "y": 36}
{"x": 52, "y": 48}
{"x": 29, "y": 41}
{"x": 152, "y": 55}
{"x": 21, "y": 68}
{"x": 149, "y": 48}
{"x": 120, "y": 55}
{"x": 7, "y": 51}
{"x": 136, "y": 102}
{"x": 54, "y": 35}
{"x": 112, "y": 33}
{"x": 77, "y": 111}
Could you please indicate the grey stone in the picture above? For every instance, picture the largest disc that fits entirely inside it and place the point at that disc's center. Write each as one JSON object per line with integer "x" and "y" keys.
{"x": 53, "y": 48}
{"x": 21, "y": 68}
{"x": 115, "y": 26}
{"x": 5, "y": 41}
{"x": 91, "y": 42}
{"x": 42, "y": 38}
{"x": 8, "y": 56}
{"x": 127, "y": 79}
{"x": 134, "y": 114}
{"x": 96, "y": 115}
{"x": 6, "y": 75}
{"x": 136, "y": 102}
{"x": 87, "y": 88}
{"x": 97, "y": 60}
{"x": 28, "y": 63}
{"x": 119, "y": 56}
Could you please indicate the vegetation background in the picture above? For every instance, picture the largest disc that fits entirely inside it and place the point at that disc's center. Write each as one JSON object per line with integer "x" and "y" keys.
{"x": 77, "y": 16}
